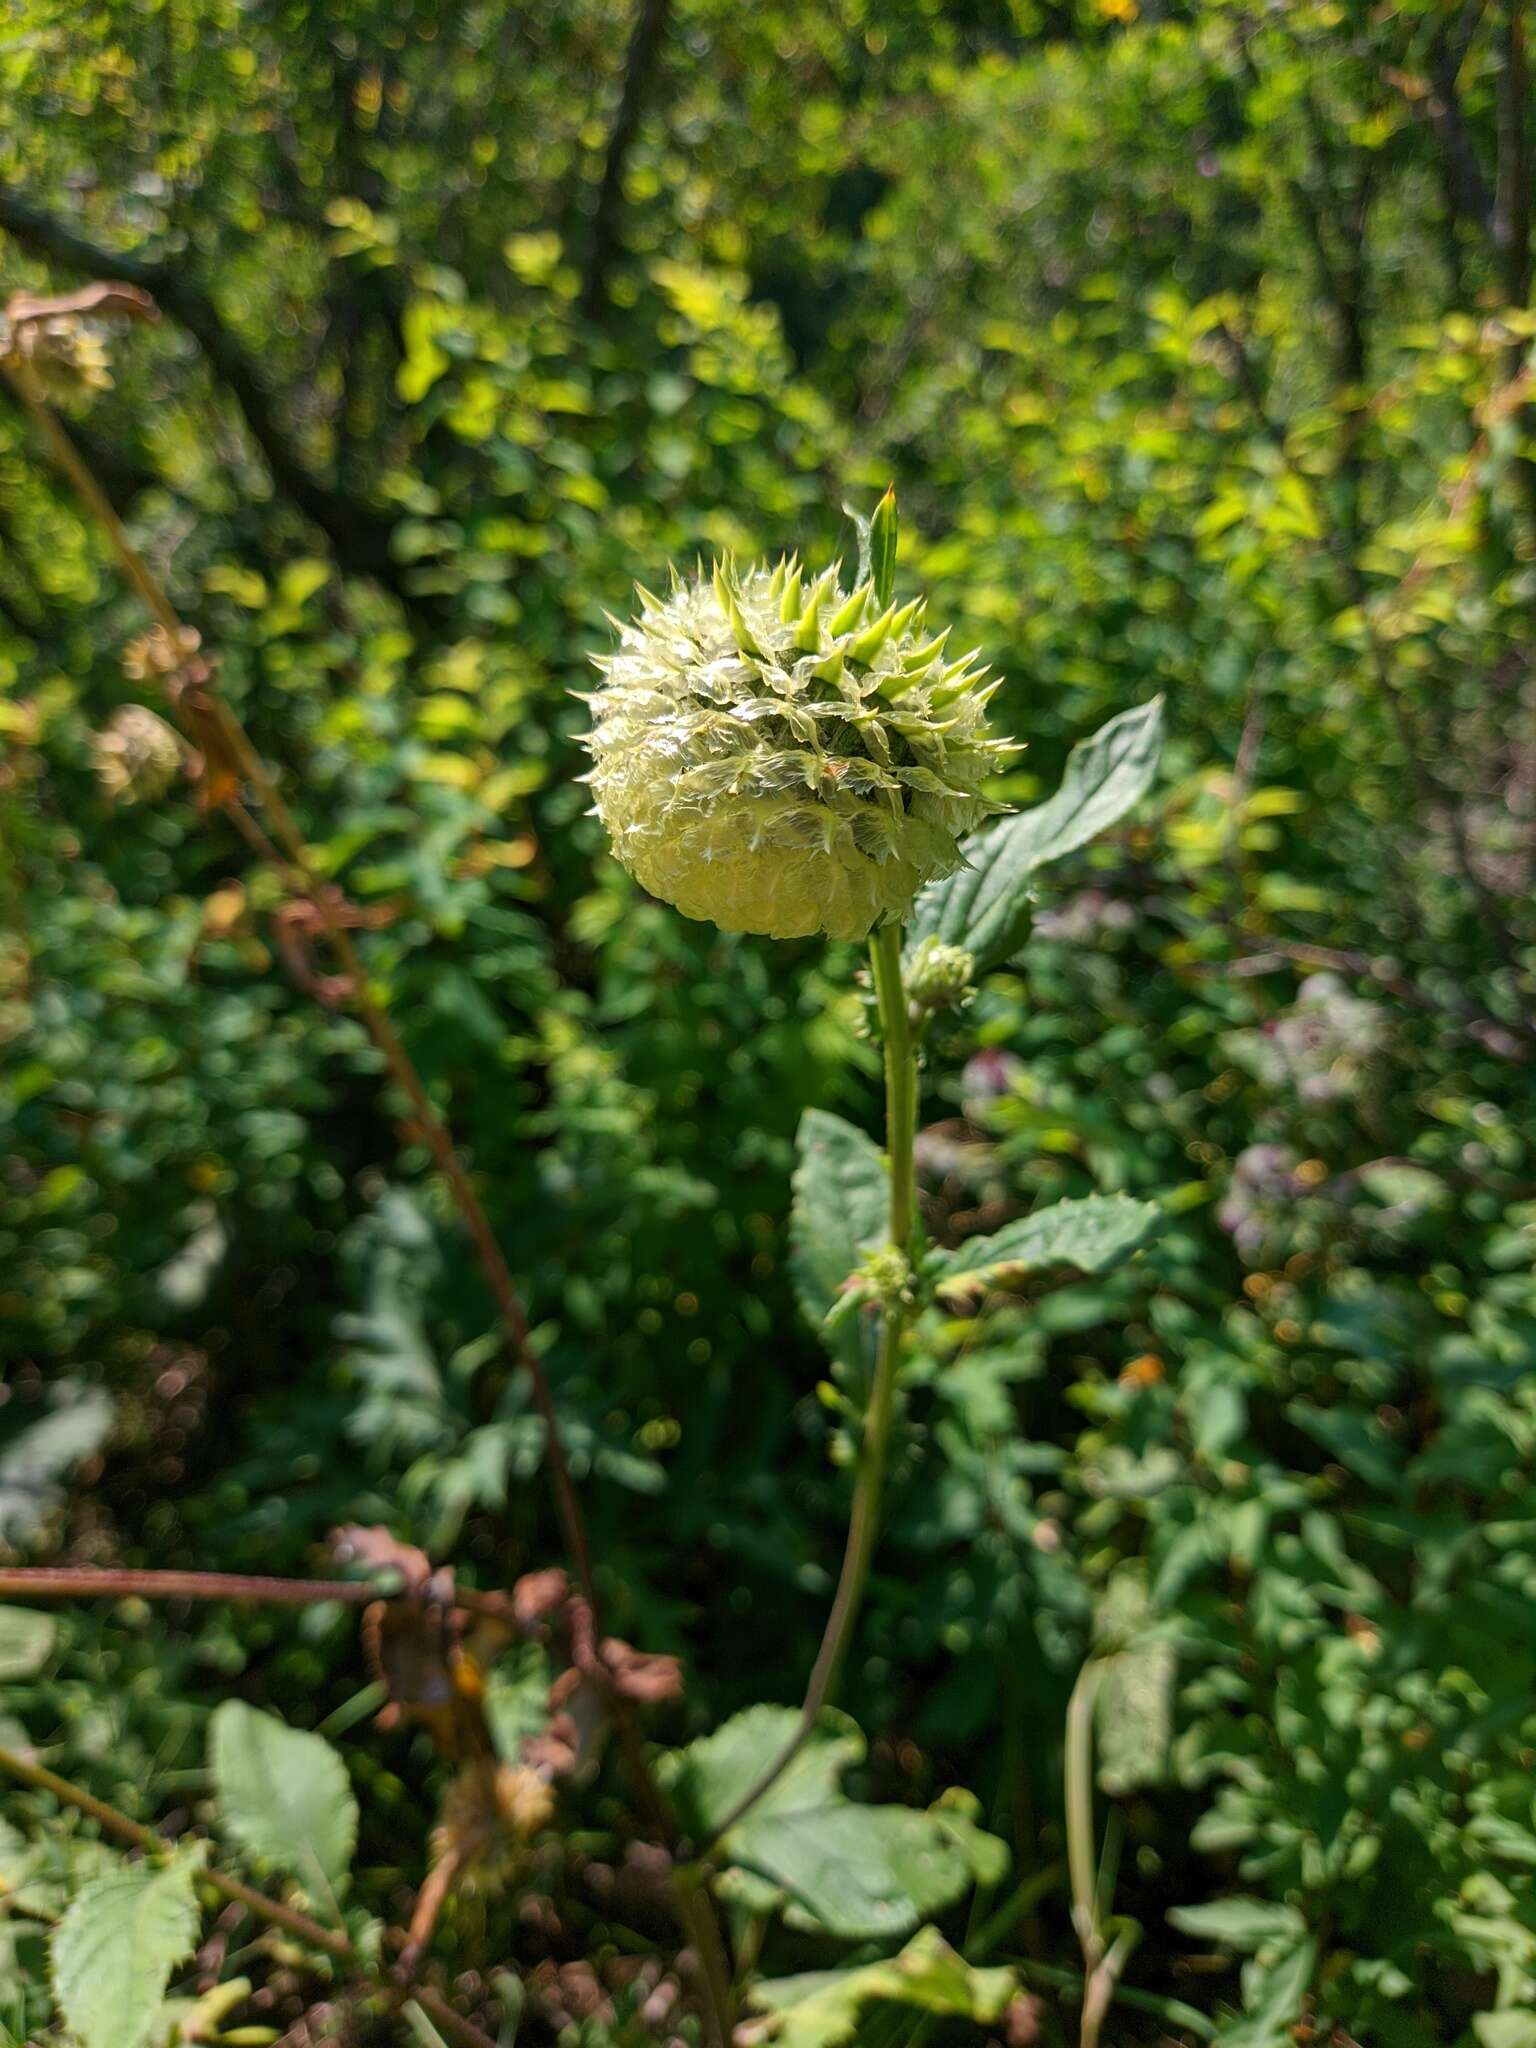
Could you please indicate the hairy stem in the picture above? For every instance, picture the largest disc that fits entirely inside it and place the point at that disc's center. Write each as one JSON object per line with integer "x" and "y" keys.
{"x": 291, "y": 1921}
{"x": 292, "y": 859}
{"x": 874, "y": 1451}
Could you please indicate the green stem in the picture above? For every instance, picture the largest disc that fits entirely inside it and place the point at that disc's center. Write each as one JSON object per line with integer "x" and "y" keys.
{"x": 874, "y": 1450}
{"x": 900, "y": 1080}
{"x": 1077, "y": 1771}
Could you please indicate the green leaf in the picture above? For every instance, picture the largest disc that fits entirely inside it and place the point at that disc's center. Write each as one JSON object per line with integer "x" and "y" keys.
{"x": 113, "y": 1952}
{"x": 1244, "y": 1923}
{"x": 859, "y": 1872}
{"x": 1274, "y": 1990}
{"x": 1357, "y": 1441}
{"x": 284, "y": 1796}
{"x": 1091, "y": 1235}
{"x": 856, "y": 1871}
{"x": 822, "y": 2008}
{"x": 841, "y": 1203}
{"x": 26, "y": 1641}
{"x": 985, "y": 907}
{"x": 711, "y": 1776}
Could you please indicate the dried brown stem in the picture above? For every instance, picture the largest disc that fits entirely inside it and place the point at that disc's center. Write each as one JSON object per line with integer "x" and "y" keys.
{"x": 92, "y": 1582}
{"x": 290, "y": 855}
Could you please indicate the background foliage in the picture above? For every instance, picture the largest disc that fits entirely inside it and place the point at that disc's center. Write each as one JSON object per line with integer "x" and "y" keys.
{"x": 1193, "y": 337}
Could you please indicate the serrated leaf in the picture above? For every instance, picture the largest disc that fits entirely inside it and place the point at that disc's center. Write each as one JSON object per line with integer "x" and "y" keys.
{"x": 113, "y": 1952}
{"x": 1090, "y": 1234}
{"x": 841, "y": 1204}
{"x": 26, "y": 1641}
{"x": 710, "y": 1777}
{"x": 822, "y": 2009}
{"x": 284, "y": 1796}
{"x": 956, "y": 1814}
{"x": 985, "y": 906}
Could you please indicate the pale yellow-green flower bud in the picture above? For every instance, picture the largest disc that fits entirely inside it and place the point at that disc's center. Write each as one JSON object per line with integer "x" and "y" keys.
{"x": 775, "y": 754}
{"x": 940, "y": 977}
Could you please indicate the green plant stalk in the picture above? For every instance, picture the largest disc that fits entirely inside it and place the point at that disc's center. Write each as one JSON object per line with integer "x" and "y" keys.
{"x": 1107, "y": 1942}
{"x": 874, "y": 1450}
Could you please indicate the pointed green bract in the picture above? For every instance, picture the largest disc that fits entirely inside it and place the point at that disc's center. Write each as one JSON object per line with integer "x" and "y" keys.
{"x": 882, "y": 548}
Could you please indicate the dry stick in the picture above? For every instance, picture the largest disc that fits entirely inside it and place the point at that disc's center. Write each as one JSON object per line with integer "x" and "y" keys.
{"x": 106, "y": 1582}
{"x": 864, "y": 1522}
{"x": 295, "y": 856}
{"x": 330, "y": 1939}
{"x": 694, "y": 1910}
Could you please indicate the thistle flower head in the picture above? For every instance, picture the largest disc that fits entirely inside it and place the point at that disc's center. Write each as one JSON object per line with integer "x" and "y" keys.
{"x": 774, "y": 752}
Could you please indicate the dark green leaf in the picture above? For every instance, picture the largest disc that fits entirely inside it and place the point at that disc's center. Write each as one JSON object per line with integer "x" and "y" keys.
{"x": 841, "y": 1200}
{"x": 1089, "y": 1235}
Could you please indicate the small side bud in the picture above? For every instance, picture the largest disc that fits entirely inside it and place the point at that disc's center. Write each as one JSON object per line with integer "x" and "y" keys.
{"x": 887, "y": 1274}
{"x": 941, "y": 977}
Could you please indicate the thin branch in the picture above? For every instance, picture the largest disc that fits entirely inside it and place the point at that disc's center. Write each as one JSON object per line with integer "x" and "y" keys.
{"x": 640, "y": 62}
{"x": 358, "y": 536}
{"x": 1512, "y": 213}
{"x": 92, "y": 1582}
{"x": 328, "y": 1939}
{"x": 1512, "y": 205}
{"x": 217, "y": 730}
{"x": 1465, "y": 183}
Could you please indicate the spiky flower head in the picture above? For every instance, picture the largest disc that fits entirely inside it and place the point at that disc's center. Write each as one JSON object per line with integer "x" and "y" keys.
{"x": 776, "y": 753}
